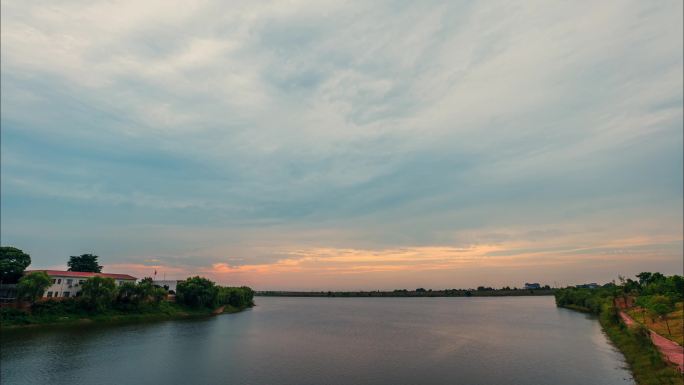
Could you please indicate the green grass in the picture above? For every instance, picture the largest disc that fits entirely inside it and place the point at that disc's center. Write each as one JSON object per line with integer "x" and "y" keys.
{"x": 643, "y": 358}
{"x": 674, "y": 319}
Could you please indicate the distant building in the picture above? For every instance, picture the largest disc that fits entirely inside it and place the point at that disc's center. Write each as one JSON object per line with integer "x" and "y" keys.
{"x": 169, "y": 285}
{"x": 592, "y": 285}
{"x": 531, "y": 286}
{"x": 67, "y": 284}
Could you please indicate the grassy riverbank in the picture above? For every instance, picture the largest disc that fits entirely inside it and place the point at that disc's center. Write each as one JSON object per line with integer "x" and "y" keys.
{"x": 642, "y": 357}
{"x": 647, "y": 364}
{"x": 670, "y": 326}
{"x": 58, "y": 315}
{"x": 644, "y": 360}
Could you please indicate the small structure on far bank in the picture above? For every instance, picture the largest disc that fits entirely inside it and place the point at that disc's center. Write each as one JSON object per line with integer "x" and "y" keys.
{"x": 592, "y": 285}
{"x": 168, "y": 284}
{"x": 531, "y": 286}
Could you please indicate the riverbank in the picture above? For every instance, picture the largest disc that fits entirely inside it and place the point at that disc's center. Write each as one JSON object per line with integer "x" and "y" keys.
{"x": 409, "y": 293}
{"x": 646, "y": 363}
{"x": 17, "y": 319}
{"x": 670, "y": 326}
{"x": 669, "y": 349}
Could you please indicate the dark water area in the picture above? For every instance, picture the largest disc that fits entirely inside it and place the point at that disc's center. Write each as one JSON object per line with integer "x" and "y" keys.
{"x": 512, "y": 340}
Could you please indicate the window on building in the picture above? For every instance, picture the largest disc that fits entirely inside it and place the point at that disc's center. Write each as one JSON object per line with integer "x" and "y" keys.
{"x": 80, "y": 281}
{"x": 66, "y": 294}
{"x": 59, "y": 280}
{"x": 49, "y": 294}
{"x": 70, "y": 281}
{"x": 54, "y": 281}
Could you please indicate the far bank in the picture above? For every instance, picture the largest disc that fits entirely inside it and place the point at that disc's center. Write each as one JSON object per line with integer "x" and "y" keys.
{"x": 410, "y": 293}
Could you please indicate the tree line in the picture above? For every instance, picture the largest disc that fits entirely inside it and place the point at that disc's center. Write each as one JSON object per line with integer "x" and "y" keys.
{"x": 655, "y": 293}
{"x": 102, "y": 293}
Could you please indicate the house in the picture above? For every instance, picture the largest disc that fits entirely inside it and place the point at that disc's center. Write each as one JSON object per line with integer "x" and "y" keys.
{"x": 531, "y": 286}
{"x": 67, "y": 284}
{"x": 592, "y": 285}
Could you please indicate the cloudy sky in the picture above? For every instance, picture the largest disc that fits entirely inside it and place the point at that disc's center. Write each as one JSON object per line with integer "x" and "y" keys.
{"x": 360, "y": 145}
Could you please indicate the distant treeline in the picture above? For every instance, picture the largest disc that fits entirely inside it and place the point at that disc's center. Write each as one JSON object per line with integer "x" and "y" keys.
{"x": 479, "y": 292}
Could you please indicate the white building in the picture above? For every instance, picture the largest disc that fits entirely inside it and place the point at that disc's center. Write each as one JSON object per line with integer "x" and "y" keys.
{"x": 67, "y": 284}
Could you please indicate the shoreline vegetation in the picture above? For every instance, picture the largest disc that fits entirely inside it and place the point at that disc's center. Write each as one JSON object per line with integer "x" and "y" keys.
{"x": 480, "y": 292}
{"x": 104, "y": 302}
{"x": 167, "y": 312}
{"x": 101, "y": 299}
{"x": 659, "y": 296}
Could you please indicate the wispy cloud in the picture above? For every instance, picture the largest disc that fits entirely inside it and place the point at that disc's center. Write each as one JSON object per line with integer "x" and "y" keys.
{"x": 207, "y": 135}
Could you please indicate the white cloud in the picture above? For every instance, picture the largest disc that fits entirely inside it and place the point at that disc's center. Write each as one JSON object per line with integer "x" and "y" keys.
{"x": 448, "y": 115}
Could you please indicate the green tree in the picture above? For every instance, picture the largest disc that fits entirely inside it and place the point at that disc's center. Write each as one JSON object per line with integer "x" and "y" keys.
{"x": 127, "y": 293}
{"x": 662, "y": 306}
{"x": 145, "y": 290}
{"x": 643, "y": 302}
{"x": 644, "y": 277}
{"x": 197, "y": 292}
{"x": 84, "y": 262}
{"x": 33, "y": 285}
{"x": 159, "y": 294}
{"x": 98, "y": 292}
{"x": 13, "y": 262}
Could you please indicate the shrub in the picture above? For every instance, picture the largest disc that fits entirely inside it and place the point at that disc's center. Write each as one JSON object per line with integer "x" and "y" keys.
{"x": 197, "y": 292}
{"x": 98, "y": 293}
{"x": 33, "y": 285}
{"x": 12, "y": 316}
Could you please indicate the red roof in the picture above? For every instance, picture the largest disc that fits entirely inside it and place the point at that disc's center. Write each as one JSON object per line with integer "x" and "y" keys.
{"x": 82, "y": 274}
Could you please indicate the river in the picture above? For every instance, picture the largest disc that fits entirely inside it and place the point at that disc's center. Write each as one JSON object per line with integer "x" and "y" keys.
{"x": 510, "y": 340}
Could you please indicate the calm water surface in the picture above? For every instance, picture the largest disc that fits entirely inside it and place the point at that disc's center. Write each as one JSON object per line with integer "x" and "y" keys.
{"x": 523, "y": 340}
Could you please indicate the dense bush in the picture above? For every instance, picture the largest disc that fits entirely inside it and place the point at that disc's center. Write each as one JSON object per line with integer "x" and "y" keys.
{"x": 98, "y": 293}
{"x": 62, "y": 307}
{"x": 197, "y": 292}
{"x": 236, "y": 296}
{"x": 201, "y": 292}
{"x": 591, "y": 300}
{"x": 33, "y": 285}
{"x": 10, "y": 315}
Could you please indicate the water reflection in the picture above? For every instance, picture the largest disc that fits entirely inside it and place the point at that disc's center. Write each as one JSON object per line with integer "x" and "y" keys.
{"x": 329, "y": 341}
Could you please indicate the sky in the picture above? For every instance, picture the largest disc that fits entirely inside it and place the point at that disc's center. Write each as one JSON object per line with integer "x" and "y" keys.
{"x": 345, "y": 145}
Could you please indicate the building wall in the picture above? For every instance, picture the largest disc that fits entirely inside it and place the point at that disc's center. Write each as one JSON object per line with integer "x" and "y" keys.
{"x": 71, "y": 285}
